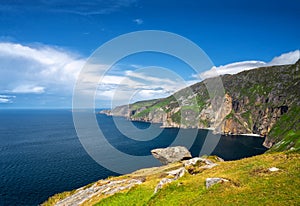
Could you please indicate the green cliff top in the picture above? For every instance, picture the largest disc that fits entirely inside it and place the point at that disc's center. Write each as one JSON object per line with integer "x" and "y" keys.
{"x": 250, "y": 183}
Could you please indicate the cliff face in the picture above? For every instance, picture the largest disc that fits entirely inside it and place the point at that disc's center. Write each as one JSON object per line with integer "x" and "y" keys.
{"x": 254, "y": 102}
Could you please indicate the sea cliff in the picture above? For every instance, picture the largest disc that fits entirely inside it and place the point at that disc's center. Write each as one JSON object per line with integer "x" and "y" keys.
{"x": 258, "y": 101}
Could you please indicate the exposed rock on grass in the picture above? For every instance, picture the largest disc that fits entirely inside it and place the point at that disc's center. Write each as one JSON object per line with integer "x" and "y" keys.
{"x": 176, "y": 173}
{"x": 104, "y": 187}
{"x": 212, "y": 181}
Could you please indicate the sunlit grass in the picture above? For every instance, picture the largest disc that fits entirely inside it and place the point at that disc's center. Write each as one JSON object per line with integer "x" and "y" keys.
{"x": 251, "y": 183}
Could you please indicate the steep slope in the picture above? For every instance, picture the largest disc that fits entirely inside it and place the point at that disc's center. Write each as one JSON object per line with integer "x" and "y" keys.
{"x": 260, "y": 101}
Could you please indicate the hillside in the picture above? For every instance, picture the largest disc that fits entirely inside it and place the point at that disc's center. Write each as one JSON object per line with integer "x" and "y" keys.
{"x": 263, "y": 101}
{"x": 268, "y": 179}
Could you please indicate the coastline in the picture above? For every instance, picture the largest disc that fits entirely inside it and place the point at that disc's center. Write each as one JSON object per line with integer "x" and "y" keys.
{"x": 109, "y": 114}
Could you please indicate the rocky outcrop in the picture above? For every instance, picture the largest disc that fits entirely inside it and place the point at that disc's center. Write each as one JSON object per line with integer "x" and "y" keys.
{"x": 181, "y": 164}
{"x": 191, "y": 166}
{"x": 103, "y": 187}
{"x": 171, "y": 154}
{"x": 198, "y": 160}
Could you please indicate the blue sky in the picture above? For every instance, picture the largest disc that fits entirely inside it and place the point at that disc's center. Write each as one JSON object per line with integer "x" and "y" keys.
{"x": 43, "y": 44}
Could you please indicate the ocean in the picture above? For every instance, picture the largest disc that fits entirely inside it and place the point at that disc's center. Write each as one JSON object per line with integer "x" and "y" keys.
{"x": 41, "y": 155}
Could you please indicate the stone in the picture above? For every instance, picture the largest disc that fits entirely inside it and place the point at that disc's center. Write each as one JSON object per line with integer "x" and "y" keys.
{"x": 273, "y": 169}
{"x": 212, "y": 181}
{"x": 176, "y": 173}
{"x": 220, "y": 159}
{"x": 208, "y": 163}
{"x": 171, "y": 154}
{"x": 161, "y": 183}
{"x": 102, "y": 187}
{"x": 192, "y": 161}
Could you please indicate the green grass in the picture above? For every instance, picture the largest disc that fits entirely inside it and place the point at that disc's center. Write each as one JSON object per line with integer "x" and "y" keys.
{"x": 140, "y": 104}
{"x": 140, "y": 194}
{"x": 151, "y": 106}
{"x": 250, "y": 184}
{"x": 286, "y": 131}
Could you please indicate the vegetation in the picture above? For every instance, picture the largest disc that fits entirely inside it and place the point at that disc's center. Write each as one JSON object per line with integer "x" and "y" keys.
{"x": 251, "y": 183}
{"x": 286, "y": 131}
{"x": 57, "y": 197}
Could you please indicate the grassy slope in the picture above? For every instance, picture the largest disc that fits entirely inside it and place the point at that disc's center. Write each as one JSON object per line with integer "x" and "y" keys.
{"x": 286, "y": 131}
{"x": 250, "y": 184}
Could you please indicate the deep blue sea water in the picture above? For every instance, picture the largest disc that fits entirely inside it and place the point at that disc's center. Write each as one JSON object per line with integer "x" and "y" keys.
{"x": 41, "y": 155}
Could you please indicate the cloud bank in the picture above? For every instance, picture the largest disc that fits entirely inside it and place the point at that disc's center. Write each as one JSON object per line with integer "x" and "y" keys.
{"x": 46, "y": 75}
{"x": 47, "y": 71}
{"x": 234, "y": 68}
{"x": 37, "y": 70}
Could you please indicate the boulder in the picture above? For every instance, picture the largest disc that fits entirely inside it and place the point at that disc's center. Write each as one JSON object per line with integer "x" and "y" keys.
{"x": 171, "y": 154}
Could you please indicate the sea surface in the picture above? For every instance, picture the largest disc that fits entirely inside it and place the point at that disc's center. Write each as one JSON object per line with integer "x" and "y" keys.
{"x": 41, "y": 155}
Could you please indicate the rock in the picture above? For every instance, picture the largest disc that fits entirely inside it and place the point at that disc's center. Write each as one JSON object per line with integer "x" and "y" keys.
{"x": 209, "y": 166}
{"x": 171, "y": 154}
{"x": 103, "y": 187}
{"x": 193, "y": 161}
{"x": 176, "y": 173}
{"x": 220, "y": 159}
{"x": 273, "y": 169}
{"x": 268, "y": 142}
{"x": 212, "y": 181}
{"x": 161, "y": 183}
{"x": 198, "y": 164}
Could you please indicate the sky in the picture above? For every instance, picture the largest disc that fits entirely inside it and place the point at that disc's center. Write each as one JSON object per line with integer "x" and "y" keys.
{"x": 44, "y": 44}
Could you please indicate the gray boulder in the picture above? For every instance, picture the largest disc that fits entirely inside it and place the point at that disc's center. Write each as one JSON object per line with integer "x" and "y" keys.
{"x": 171, "y": 154}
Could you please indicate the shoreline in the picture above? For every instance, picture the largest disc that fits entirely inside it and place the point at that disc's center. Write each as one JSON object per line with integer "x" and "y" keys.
{"x": 163, "y": 127}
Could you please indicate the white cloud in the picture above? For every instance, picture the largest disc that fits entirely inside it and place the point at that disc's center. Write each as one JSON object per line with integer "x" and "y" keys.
{"x": 138, "y": 21}
{"x": 287, "y": 58}
{"x": 233, "y": 68}
{"x": 37, "y": 69}
{"x": 132, "y": 86}
{"x": 24, "y": 89}
{"x": 6, "y": 99}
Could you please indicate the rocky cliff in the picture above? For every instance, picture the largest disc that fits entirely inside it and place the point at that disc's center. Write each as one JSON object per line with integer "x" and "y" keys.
{"x": 258, "y": 101}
